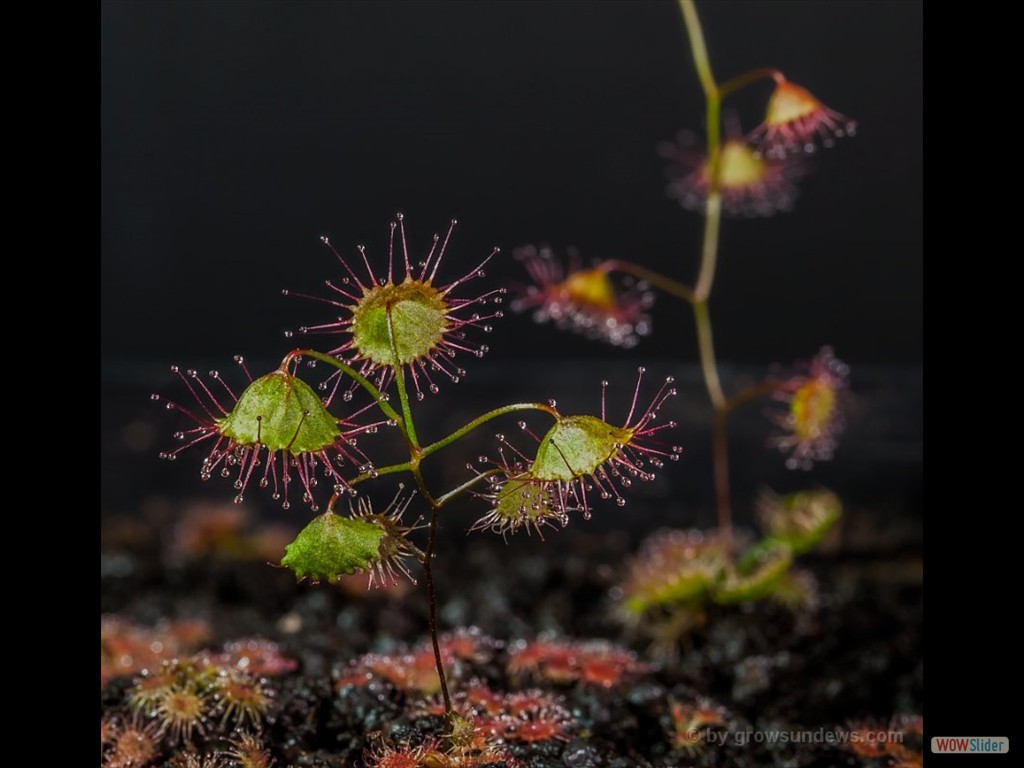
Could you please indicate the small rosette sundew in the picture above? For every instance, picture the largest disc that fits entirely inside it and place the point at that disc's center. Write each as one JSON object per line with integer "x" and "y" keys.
{"x": 275, "y": 431}
{"x": 577, "y": 455}
{"x": 800, "y": 519}
{"x": 672, "y": 568}
{"x": 412, "y": 321}
{"x": 583, "y": 300}
{"x": 796, "y": 121}
{"x": 813, "y": 417}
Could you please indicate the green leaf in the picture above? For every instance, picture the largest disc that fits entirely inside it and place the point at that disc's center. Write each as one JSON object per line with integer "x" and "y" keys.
{"x": 333, "y": 545}
{"x": 523, "y": 500}
{"x": 577, "y": 445}
{"x": 419, "y": 316}
{"x": 800, "y": 519}
{"x": 281, "y": 412}
{"x": 756, "y": 575}
{"x": 687, "y": 585}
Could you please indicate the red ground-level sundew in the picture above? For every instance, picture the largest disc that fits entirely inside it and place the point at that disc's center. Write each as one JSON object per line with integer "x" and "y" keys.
{"x": 563, "y": 661}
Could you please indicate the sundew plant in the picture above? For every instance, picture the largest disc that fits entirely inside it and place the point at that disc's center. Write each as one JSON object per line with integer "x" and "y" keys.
{"x": 393, "y": 327}
{"x": 403, "y": 330}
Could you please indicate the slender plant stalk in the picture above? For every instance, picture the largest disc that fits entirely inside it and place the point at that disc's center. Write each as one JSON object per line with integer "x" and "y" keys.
{"x": 442, "y": 500}
{"x": 708, "y": 261}
{"x": 720, "y": 466}
{"x": 706, "y": 346}
{"x": 391, "y": 469}
{"x": 698, "y": 296}
{"x": 403, "y": 396}
{"x": 408, "y": 430}
{"x": 415, "y": 454}
{"x": 712, "y": 226}
{"x": 742, "y": 81}
{"x": 428, "y": 574}
{"x": 406, "y": 466}
{"x": 763, "y": 389}
{"x": 352, "y": 373}
{"x": 481, "y": 420}
{"x": 667, "y": 284}
{"x": 720, "y": 422}
{"x": 697, "y": 45}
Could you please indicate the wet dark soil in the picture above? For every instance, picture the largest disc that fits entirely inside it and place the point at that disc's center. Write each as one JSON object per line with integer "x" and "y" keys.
{"x": 854, "y": 657}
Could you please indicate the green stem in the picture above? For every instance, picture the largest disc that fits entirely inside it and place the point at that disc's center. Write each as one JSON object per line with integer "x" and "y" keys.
{"x": 708, "y": 262}
{"x": 713, "y": 97}
{"x": 709, "y": 248}
{"x": 697, "y": 45}
{"x": 479, "y": 420}
{"x": 706, "y": 346}
{"x": 684, "y": 292}
{"x": 753, "y": 392}
{"x": 406, "y": 466}
{"x": 413, "y": 466}
{"x": 353, "y": 374}
{"x": 403, "y": 396}
{"x": 428, "y": 575}
{"x": 667, "y": 284}
{"x": 442, "y": 500}
{"x": 747, "y": 78}
{"x": 720, "y": 425}
{"x": 720, "y": 460}
{"x": 391, "y": 469}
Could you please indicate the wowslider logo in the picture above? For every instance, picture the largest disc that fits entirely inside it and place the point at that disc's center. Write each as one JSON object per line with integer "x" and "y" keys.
{"x": 974, "y": 745}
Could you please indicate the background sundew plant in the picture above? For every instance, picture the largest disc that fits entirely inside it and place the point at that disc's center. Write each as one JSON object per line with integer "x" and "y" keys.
{"x": 537, "y": 383}
{"x": 739, "y": 175}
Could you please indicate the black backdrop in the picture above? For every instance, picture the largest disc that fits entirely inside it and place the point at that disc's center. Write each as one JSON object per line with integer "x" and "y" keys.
{"x": 234, "y": 134}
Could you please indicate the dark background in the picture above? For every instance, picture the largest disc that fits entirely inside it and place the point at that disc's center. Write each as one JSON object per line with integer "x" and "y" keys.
{"x": 235, "y": 134}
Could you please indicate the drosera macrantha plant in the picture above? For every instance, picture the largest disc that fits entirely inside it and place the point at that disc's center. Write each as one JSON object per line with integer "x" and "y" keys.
{"x": 399, "y": 326}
